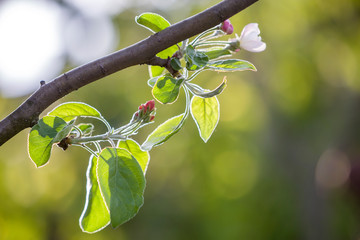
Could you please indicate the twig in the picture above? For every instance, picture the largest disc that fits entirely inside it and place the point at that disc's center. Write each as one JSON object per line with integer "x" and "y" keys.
{"x": 27, "y": 114}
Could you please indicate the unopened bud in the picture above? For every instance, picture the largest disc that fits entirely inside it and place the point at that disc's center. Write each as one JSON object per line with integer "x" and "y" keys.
{"x": 150, "y": 105}
{"x": 227, "y": 27}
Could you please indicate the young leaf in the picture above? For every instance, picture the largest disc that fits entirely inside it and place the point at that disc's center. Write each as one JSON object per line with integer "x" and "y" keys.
{"x": 71, "y": 110}
{"x": 175, "y": 64}
{"x": 195, "y": 59}
{"x": 217, "y": 53}
{"x": 152, "y": 21}
{"x": 166, "y": 89}
{"x": 95, "y": 215}
{"x": 133, "y": 147}
{"x": 155, "y": 71}
{"x": 86, "y": 128}
{"x": 43, "y": 135}
{"x": 122, "y": 184}
{"x": 198, "y": 91}
{"x": 230, "y": 65}
{"x": 163, "y": 132}
{"x": 151, "y": 82}
{"x": 206, "y": 114}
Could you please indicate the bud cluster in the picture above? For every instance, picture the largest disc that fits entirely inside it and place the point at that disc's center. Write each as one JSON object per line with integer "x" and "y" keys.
{"x": 146, "y": 112}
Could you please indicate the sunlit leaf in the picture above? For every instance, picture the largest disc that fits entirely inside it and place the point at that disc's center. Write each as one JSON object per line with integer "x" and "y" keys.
{"x": 71, "y": 110}
{"x": 43, "y": 135}
{"x": 151, "y": 82}
{"x": 206, "y": 113}
{"x": 152, "y": 21}
{"x": 95, "y": 215}
{"x": 86, "y": 128}
{"x": 166, "y": 89}
{"x": 163, "y": 132}
{"x": 155, "y": 71}
{"x": 230, "y": 65}
{"x": 122, "y": 184}
{"x": 198, "y": 91}
{"x": 133, "y": 147}
{"x": 217, "y": 53}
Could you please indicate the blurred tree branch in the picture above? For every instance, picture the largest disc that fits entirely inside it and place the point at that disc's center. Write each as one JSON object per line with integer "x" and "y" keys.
{"x": 27, "y": 114}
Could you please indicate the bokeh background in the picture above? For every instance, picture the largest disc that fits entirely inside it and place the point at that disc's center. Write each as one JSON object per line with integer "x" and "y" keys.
{"x": 284, "y": 162}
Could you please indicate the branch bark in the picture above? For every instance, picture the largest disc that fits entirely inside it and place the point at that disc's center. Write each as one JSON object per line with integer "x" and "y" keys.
{"x": 27, "y": 114}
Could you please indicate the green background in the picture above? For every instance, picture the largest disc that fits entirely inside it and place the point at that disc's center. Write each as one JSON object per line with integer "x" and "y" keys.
{"x": 277, "y": 166}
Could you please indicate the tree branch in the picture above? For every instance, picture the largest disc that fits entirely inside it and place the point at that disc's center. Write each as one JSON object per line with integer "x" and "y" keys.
{"x": 27, "y": 114}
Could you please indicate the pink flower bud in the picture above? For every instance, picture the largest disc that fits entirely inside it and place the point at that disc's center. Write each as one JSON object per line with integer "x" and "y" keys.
{"x": 227, "y": 27}
{"x": 151, "y": 118}
{"x": 150, "y": 105}
{"x": 142, "y": 108}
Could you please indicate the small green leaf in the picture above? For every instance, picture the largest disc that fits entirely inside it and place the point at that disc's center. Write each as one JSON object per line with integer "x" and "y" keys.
{"x": 43, "y": 135}
{"x": 175, "y": 64}
{"x": 217, "y": 53}
{"x": 163, "y": 132}
{"x": 95, "y": 215}
{"x": 198, "y": 91}
{"x": 166, "y": 89}
{"x": 122, "y": 184}
{"x": 86, "y": 128}
{"x": 230, "y": 65}
{"x": 151, "y": 82}
{"x": 195, "y": 59}
{"x": 152, "y": 21}
{"x": 133, "y": 147}
{"x": 206, "y": 114}
{"x": 155, "y": 71}
{"x": 71, "y": 110}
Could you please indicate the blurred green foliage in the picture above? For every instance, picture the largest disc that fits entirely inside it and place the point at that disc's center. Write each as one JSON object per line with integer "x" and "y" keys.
{"x": 256, "y": 177}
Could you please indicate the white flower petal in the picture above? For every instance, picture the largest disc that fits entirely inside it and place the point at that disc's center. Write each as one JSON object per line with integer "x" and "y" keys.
{"x": 250, "y": 39}
{"x": 253, "y": 46}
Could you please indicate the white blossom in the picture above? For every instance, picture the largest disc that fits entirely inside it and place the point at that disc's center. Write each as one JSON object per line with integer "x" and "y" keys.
{"x": 250, "y": 40}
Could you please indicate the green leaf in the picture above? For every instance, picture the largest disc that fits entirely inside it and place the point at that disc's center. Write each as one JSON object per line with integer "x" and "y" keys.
{"x": 71, "y": 110}
{"x": 198, "y": 91}
{"x": 151, "y": 82}
{"x": 175, "y": 64}
{"x": 152, "y": 21}
{"x": 230, "y": 65}
{"x": 206, "y": 114}
{"x": 86, "y": 128}
{"x": 163, "y": 132}
{"x": 43, "y": 135}
{"x": 217, "y": 53}
{"x": 95, "y": 215}
{"x": 195, "y": 59}
{"x": 122, "y": 184}
{"x": 166, "y": 89}
{"x": 133, "y": 147}
{"x": 155, "y": 71}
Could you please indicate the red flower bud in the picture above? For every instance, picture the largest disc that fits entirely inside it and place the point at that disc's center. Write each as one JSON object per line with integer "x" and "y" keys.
{"x": 151, "y": 118}
{"x": 150, "y": 105}
{"x": 227, "y": 27}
